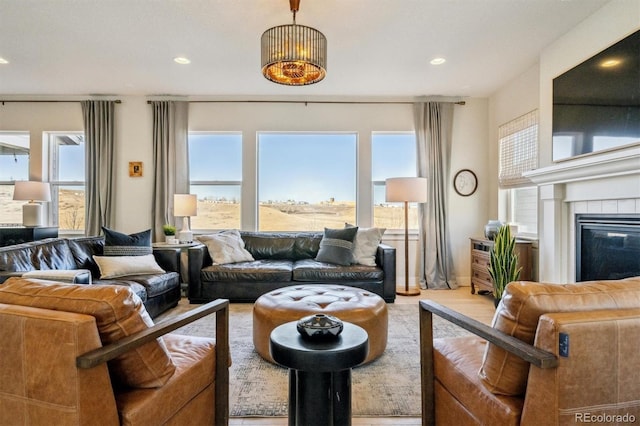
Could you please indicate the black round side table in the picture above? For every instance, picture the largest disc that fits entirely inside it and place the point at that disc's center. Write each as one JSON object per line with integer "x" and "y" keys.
{"x": 319, "y": 373}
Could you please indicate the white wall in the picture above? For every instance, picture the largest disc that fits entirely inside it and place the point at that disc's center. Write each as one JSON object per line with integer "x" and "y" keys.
{"x": 134, "y": 143}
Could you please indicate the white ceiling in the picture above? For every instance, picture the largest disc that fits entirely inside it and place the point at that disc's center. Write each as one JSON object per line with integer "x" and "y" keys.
{"x": 378, "y": 48}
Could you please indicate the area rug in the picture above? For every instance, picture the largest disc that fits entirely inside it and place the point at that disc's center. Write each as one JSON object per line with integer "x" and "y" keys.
{"x": 389, "y": 386}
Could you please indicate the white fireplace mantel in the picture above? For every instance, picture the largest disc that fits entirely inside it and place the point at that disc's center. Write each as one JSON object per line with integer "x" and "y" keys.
{"x": 607, "y": 182}
{"x": 605, "y": 165}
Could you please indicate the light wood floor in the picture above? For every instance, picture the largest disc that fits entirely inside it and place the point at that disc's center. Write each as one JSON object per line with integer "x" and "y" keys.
{"x": 476, "y": 306}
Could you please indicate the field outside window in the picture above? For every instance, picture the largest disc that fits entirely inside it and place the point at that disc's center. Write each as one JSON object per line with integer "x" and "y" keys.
{"x": 306, "y": 181}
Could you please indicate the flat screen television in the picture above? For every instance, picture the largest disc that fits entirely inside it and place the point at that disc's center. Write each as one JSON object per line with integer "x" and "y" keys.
{"x": 596, "y": 104}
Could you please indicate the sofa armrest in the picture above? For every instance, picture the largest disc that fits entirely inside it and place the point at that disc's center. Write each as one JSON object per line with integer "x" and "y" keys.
{"x": 221, "y": 309}
{"x": 529, "y": 353}
{"x": 196, "y": 256}
{"x": 5, "y": 275}
{"x": 386, "y": 259}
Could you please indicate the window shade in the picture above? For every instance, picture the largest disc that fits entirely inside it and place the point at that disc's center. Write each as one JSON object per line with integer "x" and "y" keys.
{"x": 518, "y": 141}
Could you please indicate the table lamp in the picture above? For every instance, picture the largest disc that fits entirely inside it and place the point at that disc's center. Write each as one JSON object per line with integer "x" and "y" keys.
{"x": 185, "y": 205}
{"x": 407, "y": 190}
{"x": 35, "y": 193}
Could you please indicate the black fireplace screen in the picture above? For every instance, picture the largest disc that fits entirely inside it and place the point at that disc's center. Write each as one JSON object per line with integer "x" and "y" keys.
{"x": 607, "y": 246}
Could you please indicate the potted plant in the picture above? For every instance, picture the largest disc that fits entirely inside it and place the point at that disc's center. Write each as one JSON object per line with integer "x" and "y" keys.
{"x": 169, "y": 233}
{"x": 503, "y": 262}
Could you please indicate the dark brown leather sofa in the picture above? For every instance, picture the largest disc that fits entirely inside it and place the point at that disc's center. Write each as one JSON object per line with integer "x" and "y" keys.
{"x": 158, "y": 292}
{"x": 284, "y": 259}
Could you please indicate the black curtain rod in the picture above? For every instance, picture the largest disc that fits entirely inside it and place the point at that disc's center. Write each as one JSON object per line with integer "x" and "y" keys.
{"x": 314, "y": 102}
{"x": 118, "y": 101}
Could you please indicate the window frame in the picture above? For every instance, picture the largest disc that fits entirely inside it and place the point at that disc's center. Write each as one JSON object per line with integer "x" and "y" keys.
{"x": 376, "y": 184}
{"x": 231, "y": 183}
{"x": 10, "y": 183}
{"x": 56, "y": 184}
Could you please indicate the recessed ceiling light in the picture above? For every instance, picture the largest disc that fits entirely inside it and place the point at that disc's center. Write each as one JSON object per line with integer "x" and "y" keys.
{"x": 438, "y": 61}
{"x": 3, "y": 61}
{"x": 610, "y": 63}
{"x": 181, "y": 60}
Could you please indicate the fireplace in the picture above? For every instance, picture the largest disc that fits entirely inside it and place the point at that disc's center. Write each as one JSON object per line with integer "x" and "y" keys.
{"x": 607, "y": 246}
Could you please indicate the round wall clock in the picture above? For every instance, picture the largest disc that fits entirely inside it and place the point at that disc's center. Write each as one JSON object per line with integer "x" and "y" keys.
{"x": 465, "y": 182}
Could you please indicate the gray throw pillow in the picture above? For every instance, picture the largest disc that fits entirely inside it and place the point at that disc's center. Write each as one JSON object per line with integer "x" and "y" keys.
{"x": 336, "y": 246}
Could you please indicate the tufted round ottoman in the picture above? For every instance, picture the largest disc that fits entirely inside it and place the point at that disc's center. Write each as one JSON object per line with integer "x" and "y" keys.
{"x": 354, "y": 305}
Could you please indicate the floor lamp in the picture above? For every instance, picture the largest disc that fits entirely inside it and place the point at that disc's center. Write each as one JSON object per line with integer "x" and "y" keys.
{"x": 406, "y": 190}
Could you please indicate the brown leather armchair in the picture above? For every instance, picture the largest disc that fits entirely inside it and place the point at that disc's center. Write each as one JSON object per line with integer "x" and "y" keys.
{"x": 88, "y": 355}
{"x": 554, "y": 355}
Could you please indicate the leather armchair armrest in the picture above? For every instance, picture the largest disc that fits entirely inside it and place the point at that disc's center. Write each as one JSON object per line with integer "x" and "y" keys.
{"x": 386, "y": 259}
{"x": 220, "y": 307}
{"x": 527, "y": 352}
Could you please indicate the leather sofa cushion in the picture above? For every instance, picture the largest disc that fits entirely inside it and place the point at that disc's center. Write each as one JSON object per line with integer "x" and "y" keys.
{"x": 83, "y": 250}
{"x": 118, "y": 313}
{"x": 310, "y": 270}
{"x": 456, "y": 362}
{"x": 282, "y": 245}
{"x": 157, "y": 284}
{"x": 194, "y": 358}
{"x": 522, "y": 305}
{"x": 258, "y": 271}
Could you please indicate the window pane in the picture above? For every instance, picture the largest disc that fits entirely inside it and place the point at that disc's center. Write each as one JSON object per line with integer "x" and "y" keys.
{"x": 525, "y": 209}
{"x": 14, "y": 165}
{"x": 71, "y": 207}
{"x": 393, "y": 155}
{"x": 70, "y": 158}
{"x": 306, "y": 182}
{"x": 11, "y": 211}
{"x": 215, "y": 156}
{"x": 67, "y": 181}
{"x": 218, "y": 207}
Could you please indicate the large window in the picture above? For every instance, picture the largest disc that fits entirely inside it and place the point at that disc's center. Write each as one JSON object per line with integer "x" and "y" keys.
{"x": 393, "y": 155}
{"x": 14, "y": 165}
{"x": 306, "y": 181}
{"x": 67, "y": 178}
{"x": 215, "y": 176}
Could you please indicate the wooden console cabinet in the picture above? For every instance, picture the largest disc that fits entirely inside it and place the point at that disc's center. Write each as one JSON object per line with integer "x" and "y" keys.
{"x": 480, "y": 248}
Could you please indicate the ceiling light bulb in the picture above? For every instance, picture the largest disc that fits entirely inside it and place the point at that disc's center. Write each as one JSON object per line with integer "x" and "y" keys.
{"x": 181, "y": 60}
{"x": 438, "y": 61}
{"x": 3, "y": 61}
{"x": 609, "y": 63}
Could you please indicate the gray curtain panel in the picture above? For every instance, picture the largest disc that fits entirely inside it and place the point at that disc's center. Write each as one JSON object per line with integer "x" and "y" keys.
{"x": 434, "y": 122}
{"x": 99, "y": 125}
{"x": 170, "y": 160}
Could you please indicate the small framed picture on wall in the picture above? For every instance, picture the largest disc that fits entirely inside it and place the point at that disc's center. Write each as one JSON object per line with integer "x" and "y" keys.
{"x": 135, "y": 168}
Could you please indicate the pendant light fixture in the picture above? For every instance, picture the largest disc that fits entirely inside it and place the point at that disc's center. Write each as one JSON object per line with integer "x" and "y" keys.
{"x": 294, "y": 55}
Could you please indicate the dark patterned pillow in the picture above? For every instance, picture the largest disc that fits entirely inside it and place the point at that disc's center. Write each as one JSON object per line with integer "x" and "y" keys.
{"x": 119, "y": 244}
{"x": 336, "y": 246}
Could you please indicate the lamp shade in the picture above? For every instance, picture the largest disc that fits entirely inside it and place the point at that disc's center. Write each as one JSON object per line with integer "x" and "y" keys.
{"x": 185, "y": 205}
{"x": 32, "y": 191}
{"x": 411, "y": 189}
